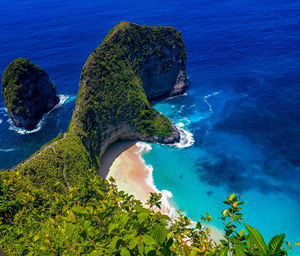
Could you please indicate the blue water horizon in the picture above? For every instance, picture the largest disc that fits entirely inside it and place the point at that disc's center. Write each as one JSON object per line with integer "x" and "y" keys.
{"x": 242, "y": 107}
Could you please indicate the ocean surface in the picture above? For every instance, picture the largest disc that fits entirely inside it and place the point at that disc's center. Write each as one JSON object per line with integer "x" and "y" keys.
{"x": 242, "y": 111}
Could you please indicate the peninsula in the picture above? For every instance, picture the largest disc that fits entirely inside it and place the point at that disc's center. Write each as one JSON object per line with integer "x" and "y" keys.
{"x": 133, "y": 64}
{"x": 54, "y": 203}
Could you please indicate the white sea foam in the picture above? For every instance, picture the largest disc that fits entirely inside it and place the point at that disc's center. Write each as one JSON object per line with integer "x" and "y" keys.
{"x": 1, "y": 121}
{"x": 180, "y": 125}
{"x": 205, "y": 99}
{"x": 4, "y": 111}
{"x": 23, "y": 131}
{"x": 166, "y": 195}
{"x": 62, "y": 99}
{"x": 191, "y": 106}
{"x": 216, "y": 234}
{"x": 7, "y": 150}
{"x": 181, "y": 108}
{"x": 176, "y": 96}
{"x": 186, "y": 138}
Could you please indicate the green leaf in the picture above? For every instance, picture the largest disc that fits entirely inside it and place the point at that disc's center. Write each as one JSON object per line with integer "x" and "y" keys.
{"x": 276, "y": 243}
{"x": 159, "y": 234}
{"x": 87, "y": 224}
{"x": 143, "y": 216}
{"x": 140, "y": 247}
{"x": 194, "y": 252}
{"x": 79, "y": 210}
{"x": 240, "y": 250}
{"x": 224, "y": 242}
{"x": 223, "y": 252}
{"x": 112, "y": 226}
{"x": 148, "y": 240}
{"x": 133, "y": 243}
{"x": 150, "y": 250}
{"x": 242, "y": 233}
{"x": 257, "y": 239}
{"x": 236, "y": 216}
{"x": 70, "y": 229}
{"x": 231, "y": 197}
{"x": 115, "y": 242}
{"x": 125, "y": 252}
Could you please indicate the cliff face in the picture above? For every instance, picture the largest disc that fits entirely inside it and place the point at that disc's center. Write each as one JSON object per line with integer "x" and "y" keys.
{"x": 28, "y": 93}
{"x": 132, "y": 65}
{"x": 163, "y": 74}
{"x": 132, "y": 61}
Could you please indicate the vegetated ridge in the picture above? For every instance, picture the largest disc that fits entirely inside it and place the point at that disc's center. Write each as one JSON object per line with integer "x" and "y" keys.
{"x": 112, "y": 103}
{"x": 55, "y": 204}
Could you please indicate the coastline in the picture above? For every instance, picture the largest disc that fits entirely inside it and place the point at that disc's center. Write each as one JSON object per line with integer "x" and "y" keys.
{"x": 131, "y": 173}
{"x": 124, "y": 162}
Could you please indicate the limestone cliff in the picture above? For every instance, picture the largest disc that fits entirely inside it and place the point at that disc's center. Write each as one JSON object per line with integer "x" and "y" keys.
{"x": 131, "y": 61}
{"x": 28, "y": 93}
{"x": 113, "y": 102}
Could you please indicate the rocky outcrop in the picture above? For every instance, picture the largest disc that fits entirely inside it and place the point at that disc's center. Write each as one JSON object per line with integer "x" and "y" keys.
{"x": 28, "y": 93}
{"x": 133, "y": 64}
{"x": 165, "y": 76}
{"x": 123, "y": 131}
{"x": 132, "y": 61}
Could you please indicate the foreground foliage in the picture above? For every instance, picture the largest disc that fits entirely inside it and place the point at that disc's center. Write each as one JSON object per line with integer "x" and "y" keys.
{"x": 54, "y": 204}
{"x": 97, "y": 219}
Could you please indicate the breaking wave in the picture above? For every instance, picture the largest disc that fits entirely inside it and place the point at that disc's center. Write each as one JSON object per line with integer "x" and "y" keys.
{"x": 62, "y": 99}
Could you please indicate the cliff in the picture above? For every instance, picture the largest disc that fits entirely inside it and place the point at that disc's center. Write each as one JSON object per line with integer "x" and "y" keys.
{"x": 28, "y": 93}
{"x": 52, "y": 204}
{"x": 129, "y": 63}
{"x": 112, "y": 103}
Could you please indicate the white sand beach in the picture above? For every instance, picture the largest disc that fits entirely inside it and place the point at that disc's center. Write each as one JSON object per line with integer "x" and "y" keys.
{"x": 123, "y": 161}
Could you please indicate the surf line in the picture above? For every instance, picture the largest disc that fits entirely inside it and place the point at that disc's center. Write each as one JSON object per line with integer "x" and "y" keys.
{"x": 62, "y": 99}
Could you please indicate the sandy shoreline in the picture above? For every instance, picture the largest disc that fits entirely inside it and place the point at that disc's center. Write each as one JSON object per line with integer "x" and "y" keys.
{"x": 123, "y": 161}
{"x": 130, "y": 172}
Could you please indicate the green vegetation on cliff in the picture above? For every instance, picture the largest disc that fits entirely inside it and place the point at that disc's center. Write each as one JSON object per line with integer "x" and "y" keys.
{"x": 54, "y": 203}
{"x": 13, "y": 90}
{"x": 111, "y": 85}
{"x": 97, "y": 219}
{"x": 111, "y": 105}
{"x": 28, "y": 93}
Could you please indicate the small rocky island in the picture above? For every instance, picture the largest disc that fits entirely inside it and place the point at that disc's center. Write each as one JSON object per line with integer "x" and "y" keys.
{"x": 134, "y": 65}
{"x": 28, "y": 93}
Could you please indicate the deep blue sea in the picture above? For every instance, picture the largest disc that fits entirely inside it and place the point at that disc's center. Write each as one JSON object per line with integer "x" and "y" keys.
{"x": 243, "y": 105}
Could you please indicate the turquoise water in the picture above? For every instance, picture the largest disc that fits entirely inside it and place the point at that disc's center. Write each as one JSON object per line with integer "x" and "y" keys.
{"x": 269, "y": 209}
{"x": 242, "y": 107}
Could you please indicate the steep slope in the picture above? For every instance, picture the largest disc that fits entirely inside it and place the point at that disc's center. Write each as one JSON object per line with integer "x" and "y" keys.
{"x": 28, "y": 93}
{"x": 112, "y": 104}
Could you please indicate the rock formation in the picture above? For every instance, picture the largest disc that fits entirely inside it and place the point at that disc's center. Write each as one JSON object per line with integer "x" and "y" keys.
{"x": 134, "y": 64}
{"x": 131, "y": 61}
{"x": 28, "y": 93}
